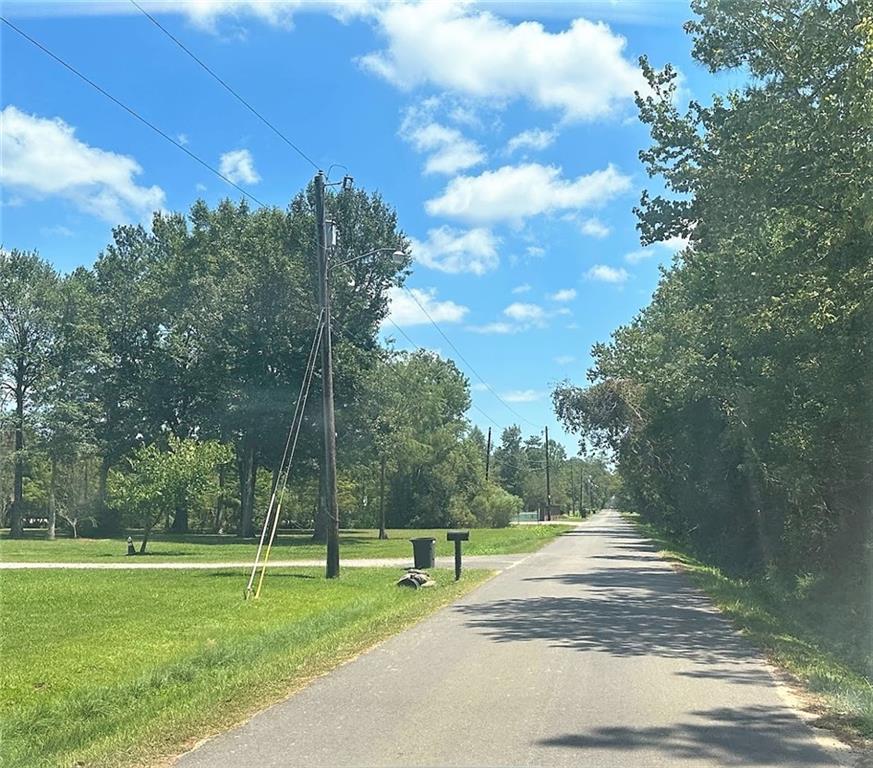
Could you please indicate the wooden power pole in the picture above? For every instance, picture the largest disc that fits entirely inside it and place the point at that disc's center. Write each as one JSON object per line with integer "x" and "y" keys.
{"x": 331, "y": 506}
{"x": 548, "y": 487}
{"x": 383, "y": 534}
{"x": 488, "y": 455}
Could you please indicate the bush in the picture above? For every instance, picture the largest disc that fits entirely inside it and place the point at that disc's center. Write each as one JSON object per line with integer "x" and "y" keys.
{"x": 494, "y": 507}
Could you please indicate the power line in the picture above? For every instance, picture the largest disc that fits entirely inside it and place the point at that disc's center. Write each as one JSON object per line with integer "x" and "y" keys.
{"x": 356, "y": 338}
{"x": 467, "y": 362}
{"x": 224, "y": 84}
{"x": 406, "y": 336}
{"x": 129, "y": 110}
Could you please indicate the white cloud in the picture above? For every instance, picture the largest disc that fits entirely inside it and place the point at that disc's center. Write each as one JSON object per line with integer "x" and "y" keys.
{"x": 519, "y": 316}
{"x": 606, "y": 274}
{"x": 206, "y": 13}
{"x": 669, "y": 246}
{"x": 527, "y": 313}
{"x": 565, "y": 294}
{"x": 498, "y": 327}
{"x": 565, "y": 359}
{"x": 536, "y": 139}
{"x": 593, "y": 227}
{"x": 453, "y": 251}
{"x": 523, "y": 288}
{"x": 42, "y": 158}
{"x": 404, "y": 310}
{"x": 479, "y": 387}
{"x": 239, "y": 166}
{"x": 449, "y": 151}
{"x": 581, "y": 72}
{"x": 522, "y": 396}
{"x": 58, "y": 230}
{"x": 535, "y": 251}
{"x": 515, "y": 192}
{"x": 182, "y": 138}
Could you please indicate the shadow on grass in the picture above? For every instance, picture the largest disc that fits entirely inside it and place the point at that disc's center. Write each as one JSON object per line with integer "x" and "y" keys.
{"x": 805, "y": 645}
{"x": 241, "y": 572}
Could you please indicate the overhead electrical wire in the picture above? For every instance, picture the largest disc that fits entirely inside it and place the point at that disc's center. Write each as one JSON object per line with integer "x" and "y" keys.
{"x": 467, "y": 362}
{"x": 224, "y": 84}
{"x": 421, "y": 349}
{"x": 129, "y": 110}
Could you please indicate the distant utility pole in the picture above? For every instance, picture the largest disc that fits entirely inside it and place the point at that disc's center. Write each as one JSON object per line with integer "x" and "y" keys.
{"x": 548, "y": 487}
{"x": 488, "y": 455}
{"x": 572, "y": 493}
{"x": 383, "y": 534}
{"x": 331, "y": 506}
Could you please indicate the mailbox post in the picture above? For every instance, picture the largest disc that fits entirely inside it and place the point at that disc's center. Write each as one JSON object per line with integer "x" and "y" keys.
{"x": 457, "y": 537}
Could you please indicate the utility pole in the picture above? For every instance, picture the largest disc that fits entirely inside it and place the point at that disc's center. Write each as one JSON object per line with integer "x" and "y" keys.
{"x": 572, "y": 493}
{"x": 331, "y": 506}
{"x": 548, "y": 487}
{"x": 383, "y": 534}
{"x": 488, "y": 455}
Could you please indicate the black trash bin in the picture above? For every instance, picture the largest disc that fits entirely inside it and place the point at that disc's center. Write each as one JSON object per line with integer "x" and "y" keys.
{"x": 424, "y": 552}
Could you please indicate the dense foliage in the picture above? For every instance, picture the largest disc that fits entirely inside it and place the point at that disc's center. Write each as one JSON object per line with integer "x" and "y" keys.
{"x": 738, "y": 403}
{"x": 156, "y": 388}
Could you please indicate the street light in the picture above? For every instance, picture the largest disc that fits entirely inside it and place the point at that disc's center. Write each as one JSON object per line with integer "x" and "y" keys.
{"x": 397, "y": 256}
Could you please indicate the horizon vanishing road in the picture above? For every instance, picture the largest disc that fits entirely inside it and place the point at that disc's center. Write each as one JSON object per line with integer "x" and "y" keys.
{"x": 591, "y": 652}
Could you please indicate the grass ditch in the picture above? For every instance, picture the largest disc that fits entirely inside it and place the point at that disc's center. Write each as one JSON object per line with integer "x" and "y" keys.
{"x": 126, "y": 668}
{"x": 815, "y": 635}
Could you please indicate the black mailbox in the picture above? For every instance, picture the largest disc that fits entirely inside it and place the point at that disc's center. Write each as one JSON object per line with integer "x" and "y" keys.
{"x": 457, "y": 537}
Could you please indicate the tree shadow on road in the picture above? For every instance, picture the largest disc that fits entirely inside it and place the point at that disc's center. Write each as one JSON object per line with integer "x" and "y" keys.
{"x": 632, "y": 611}
{"x": 751, "y": 736}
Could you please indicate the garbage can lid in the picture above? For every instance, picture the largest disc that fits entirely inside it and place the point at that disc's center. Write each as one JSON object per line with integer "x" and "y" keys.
{"x": 423, "y": 538}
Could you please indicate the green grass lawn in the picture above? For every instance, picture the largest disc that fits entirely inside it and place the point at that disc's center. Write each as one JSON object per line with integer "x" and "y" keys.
{"x": 823, "y": 641}
{"x": 288, "y": 546}
{"x": 123, "y": 668}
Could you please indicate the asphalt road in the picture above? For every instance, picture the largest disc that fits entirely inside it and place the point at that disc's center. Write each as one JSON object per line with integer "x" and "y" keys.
{"x": 590, "y": 653}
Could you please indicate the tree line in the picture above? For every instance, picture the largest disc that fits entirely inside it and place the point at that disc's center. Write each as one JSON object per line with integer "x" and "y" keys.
{"x": 155, "y": 388}
{"x": 738, "y": 403}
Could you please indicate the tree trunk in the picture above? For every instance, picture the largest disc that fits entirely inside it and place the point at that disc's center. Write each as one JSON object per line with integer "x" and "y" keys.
{"x": 180, "y": 520}
{"x": 247, "y": 491}
{"x": 52, "y": 500}
{"x": 108, "y": 520}
{"x": 145, "y": 539}
{"x": 274, "y": 481}
{"x": 219, "y": 502}
{"x": 383, "y": 534}
{"x": 319, "y": 534}
{"x": 16, "y": 513}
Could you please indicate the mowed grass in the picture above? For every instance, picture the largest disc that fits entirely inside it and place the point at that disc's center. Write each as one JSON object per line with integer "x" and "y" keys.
{"x": 822, "y": 642}
{"x": 289, "y": 546}
{"x": 124, "y": 668}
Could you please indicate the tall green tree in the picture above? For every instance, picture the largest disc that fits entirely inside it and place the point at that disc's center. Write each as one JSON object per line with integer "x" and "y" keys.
{"x": 737, "y": 401}
{"x": 69, "y": 412}
{"x": 28, "y": 324}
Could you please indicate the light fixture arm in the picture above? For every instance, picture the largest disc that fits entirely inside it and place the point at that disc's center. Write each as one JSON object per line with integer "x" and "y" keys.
{"x": 397, "y": 254}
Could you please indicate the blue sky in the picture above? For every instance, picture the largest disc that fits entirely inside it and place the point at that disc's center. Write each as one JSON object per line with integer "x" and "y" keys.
{"x": 503, "y": 133}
